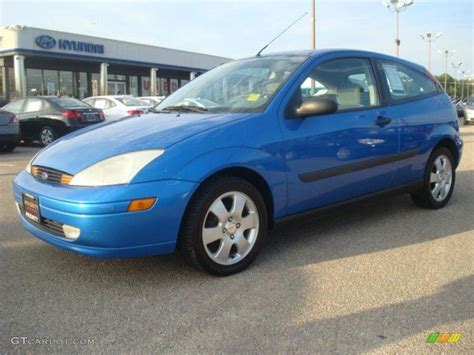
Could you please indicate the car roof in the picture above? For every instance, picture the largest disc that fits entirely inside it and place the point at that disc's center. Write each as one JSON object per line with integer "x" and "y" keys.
{"x": 108, "y": 97}
{"x": 47, "y": 97}
{"x": 343, "y": 53}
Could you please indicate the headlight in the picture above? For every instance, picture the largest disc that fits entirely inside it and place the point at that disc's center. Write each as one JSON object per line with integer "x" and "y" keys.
{"x": 116, "y": 170}
{"x": 28, "y": 166}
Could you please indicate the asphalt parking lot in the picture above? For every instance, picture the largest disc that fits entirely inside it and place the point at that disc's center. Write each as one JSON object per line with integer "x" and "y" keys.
{"x": 375, "y": 277}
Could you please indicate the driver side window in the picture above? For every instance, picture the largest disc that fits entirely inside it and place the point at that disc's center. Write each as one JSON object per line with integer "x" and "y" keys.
{"x": 348, "y": 82}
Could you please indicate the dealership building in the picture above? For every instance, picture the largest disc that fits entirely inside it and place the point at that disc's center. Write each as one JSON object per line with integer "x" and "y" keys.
{"x": 36, "y": 61}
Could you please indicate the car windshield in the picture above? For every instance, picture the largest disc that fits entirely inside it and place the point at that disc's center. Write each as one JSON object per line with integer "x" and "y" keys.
{"x": 470, "y": 102}
{"x": 241, "y": 86}
{"x": 69, "y": 102}
{"x": 131, "y": 101}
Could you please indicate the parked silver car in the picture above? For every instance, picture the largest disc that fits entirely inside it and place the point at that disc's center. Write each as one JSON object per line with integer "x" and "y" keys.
{"x": 469, "y": 111}
{"x": 9, "y": 131}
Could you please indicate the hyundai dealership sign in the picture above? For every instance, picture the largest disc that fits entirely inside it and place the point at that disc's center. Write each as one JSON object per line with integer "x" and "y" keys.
{"x": 48, "y": 42}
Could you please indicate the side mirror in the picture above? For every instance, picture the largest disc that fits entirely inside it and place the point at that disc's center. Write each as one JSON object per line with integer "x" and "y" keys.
{"x": 316, "y": 106}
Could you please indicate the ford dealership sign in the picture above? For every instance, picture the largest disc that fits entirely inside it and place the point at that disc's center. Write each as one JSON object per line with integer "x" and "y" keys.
{"x": 48, "y": 42}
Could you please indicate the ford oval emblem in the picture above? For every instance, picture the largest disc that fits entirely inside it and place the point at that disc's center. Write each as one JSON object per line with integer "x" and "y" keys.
{"x": 45, "y": 41}
{"x": 44, "y": 175}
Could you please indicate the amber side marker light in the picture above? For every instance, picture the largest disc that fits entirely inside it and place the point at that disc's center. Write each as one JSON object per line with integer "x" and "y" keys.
{"x": 142, "y": 204}
{"x": 66, "y": 179}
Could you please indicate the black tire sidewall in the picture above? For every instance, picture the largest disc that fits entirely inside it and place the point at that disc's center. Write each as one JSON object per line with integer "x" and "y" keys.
{"x": 210, "y": 194}
{"x": 427, "y": 184}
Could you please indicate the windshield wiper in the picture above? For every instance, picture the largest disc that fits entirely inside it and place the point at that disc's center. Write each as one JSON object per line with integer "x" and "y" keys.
{"x": 183, "y": 108}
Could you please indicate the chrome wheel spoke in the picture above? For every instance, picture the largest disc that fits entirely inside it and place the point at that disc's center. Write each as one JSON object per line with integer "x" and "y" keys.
{"x": 437, "y": 189}
{"x": 223, "y": 253}
{"x": 238, "y": 205}
{"x": 249, "y": 221}
{"x": 439, "y": 165}
{"x": 219, "y": 210}
{"x": 242, "y": 244}
{"x": 210, "y": 235}
{"x": 434, "y": 177}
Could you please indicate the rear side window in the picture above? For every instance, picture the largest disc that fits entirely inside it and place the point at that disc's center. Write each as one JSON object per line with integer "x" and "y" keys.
{"x": 33, "y": 105}
{"x": 130, "y": 101}
{"x": 14, "y": 106}
{"x": 405, "y": 83}
{"x": 103, "y": 103}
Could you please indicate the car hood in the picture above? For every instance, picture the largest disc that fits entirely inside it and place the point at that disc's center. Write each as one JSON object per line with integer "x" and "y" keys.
{"x": 83, "y": 148}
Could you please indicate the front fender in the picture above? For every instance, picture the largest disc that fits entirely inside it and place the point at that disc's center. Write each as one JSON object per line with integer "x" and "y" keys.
{"x": 270, "y": 167}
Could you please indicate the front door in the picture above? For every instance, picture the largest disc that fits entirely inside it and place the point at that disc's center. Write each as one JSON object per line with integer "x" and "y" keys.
{"x": 343, "y": 155}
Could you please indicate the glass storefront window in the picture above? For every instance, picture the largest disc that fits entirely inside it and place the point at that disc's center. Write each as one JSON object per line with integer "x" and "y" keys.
{"x": 173, "y": 85}
{"x": 95, "y": 84}
{"x": 34, "y": 82}
{"x": 65, "y": 83}
{"x": 2, "y": 94}
{"x": 51, "y": 82}
{"x": 11, "y": 84}
{"x": 82, "y": 85}
{"x": 134, "y": 86}
{"x": 145, "y": 85}
{"x": 116, "y": 77}
{"x": 164, "y": 87}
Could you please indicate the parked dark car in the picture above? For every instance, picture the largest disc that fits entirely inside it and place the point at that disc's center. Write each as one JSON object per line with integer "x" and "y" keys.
{"x": 3, "y": 102}
{"x": 46, "y": 118}
{"x": 9, "y": 131}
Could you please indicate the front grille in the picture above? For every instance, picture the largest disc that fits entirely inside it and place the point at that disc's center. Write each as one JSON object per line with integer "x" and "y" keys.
{"x": 52, "y": 175}
{"x": 53, "y": 226}
{"x": 46, "y": 224}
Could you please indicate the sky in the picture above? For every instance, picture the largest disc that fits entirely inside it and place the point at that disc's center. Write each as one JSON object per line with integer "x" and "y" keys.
{"x": 237, "y": 29}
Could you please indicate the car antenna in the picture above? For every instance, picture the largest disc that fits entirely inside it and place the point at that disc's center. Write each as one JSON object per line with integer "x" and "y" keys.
{"x": 286, "y": 29}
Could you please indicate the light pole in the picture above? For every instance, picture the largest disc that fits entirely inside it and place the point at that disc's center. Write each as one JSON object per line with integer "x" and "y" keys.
{"x": 313, "y": 38}
{"x": 397, "y": 6}
{"x": 313, "y": 24}
{"x": 455, "y": 67}
{"x": 446, "y": 54}
{"x": 428, "y": 37}
{"x": 465, "y": 73}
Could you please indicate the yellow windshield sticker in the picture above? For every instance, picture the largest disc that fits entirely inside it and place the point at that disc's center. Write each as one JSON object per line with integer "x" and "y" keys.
{"x": 253, "y": 97}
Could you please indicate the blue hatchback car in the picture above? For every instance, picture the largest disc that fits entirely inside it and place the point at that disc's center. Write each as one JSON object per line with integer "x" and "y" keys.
{"x": 249, "y": 143}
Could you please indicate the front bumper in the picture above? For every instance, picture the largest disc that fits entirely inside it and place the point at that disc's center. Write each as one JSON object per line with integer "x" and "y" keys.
{"x": 107, "y": 228}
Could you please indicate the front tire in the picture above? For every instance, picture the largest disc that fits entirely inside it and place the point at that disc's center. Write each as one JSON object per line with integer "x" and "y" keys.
{"x": 439, "y": 180}
{"x": 224, "y": 226}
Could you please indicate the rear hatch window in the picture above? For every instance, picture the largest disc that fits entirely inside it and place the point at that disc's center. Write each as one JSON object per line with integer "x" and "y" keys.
{"x": 69, "y": 102}
{"x": 131, "y": 101}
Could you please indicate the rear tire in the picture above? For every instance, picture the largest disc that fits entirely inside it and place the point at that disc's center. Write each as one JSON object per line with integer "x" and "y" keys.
{"x": 439, "y": 180}
{"x": 47, "y": 136}
{"x": 227, "y": 241}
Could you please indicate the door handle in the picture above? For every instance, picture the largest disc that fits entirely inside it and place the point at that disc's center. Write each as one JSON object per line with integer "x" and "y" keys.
{"x": 382, "y": 121}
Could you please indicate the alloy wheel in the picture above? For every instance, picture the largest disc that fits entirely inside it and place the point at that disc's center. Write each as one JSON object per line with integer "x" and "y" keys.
{"x": 230, "y": 228}
{"x": 441, "y": 178}
{"x": 46, "y": 136}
